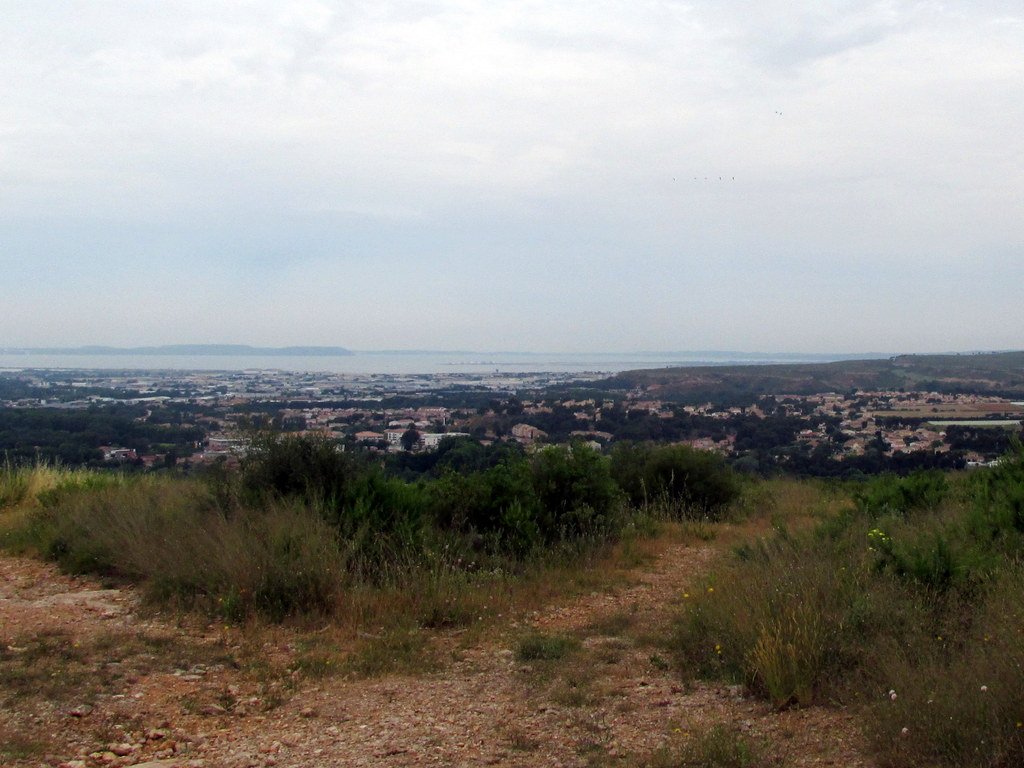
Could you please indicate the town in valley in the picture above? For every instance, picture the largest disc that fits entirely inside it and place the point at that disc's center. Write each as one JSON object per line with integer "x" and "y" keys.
{"x": 190, "y": 419}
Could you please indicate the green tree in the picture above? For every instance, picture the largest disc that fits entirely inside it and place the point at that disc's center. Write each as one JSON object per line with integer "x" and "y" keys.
{"x": 410, "y": 438}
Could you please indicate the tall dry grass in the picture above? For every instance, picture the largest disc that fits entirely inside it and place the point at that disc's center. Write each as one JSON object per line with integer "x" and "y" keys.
{"x": 170, "y": 536}
{"x": 23, "y": 485}
{"x": 906, "y": 606}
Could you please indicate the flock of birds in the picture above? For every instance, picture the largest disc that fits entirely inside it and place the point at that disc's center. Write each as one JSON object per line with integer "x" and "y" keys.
{"x": 721, "y": 178}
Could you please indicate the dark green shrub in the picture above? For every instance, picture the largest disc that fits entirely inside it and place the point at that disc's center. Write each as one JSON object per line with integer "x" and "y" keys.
{"x": 575, "y": 492}
{"x": 935, "y": 555}
{"x": 687, "y": 482}
{"x": 378, "y": 519}
{"x": 311, "y": 467}
{"x": 997, "y": 498}
{"x": 559, "y": 494}
{"x": 890, "y": 494}
{"x": 495, "y": 509}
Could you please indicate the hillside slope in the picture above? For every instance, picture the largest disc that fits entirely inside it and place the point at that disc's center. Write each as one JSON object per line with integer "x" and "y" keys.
{"x": 983, "y": 372}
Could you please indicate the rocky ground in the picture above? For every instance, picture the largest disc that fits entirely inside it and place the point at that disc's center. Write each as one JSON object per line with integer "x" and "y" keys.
{"x": 91, "y": 679}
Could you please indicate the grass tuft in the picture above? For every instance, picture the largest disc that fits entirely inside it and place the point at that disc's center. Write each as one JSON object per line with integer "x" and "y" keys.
{"x": 715, "y": 747}
{"x": 543, "y": 646}
{"x": 399, "y": 652}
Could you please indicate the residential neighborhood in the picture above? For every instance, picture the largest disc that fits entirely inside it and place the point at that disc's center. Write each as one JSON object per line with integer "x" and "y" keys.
{"x": 218, "y": 411}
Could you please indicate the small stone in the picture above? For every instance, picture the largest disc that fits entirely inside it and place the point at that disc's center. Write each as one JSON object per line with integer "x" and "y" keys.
{"x": 121, "y": 750}
{"x": 307, "y": 712}
{"x": 82, "y": 710}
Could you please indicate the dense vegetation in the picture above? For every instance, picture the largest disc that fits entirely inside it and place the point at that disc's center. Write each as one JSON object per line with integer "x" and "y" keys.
{"x": 73, "y": 437}
{"x": 301, "y": 520}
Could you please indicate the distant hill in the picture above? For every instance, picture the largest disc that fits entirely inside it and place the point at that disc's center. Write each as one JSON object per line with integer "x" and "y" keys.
{"x": 981, "y": 372}
{"x": 223, "y": 350}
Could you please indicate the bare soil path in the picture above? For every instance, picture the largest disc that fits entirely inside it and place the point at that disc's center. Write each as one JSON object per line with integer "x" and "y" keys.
{"x": 88, "y": 679}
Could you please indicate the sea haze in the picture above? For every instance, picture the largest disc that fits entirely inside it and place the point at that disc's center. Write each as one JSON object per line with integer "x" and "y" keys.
{"x": 389, "y": 361}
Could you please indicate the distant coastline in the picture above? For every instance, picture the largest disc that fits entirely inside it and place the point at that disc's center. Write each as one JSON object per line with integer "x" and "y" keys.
{"x": 712, "y": 357}
{"x": 220, "y": 350}
{"x": 388, "y": 362}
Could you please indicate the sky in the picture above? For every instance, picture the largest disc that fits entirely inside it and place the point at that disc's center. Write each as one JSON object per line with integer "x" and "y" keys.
{"x": 756, "y": 175}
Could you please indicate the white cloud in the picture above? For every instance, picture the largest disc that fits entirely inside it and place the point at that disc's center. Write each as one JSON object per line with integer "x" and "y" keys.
{"x": 567, "y": 157}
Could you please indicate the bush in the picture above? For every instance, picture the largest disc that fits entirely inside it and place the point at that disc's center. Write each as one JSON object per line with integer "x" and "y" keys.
{"x": 378, "y": 519}
{"x": 890, "y": 494}
{"x": 956, "y": 698}
{"x": 576, "y": 493}
{"x": 558, "y": 495}
{"x": 310, "y": 467}
{"x": 684, "y": 481}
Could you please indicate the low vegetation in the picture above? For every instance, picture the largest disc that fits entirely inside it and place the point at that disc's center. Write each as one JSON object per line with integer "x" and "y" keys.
{"x": 896, "y": 597}
{"x": 302, "y": 528}
{"x": 905, "y": 604}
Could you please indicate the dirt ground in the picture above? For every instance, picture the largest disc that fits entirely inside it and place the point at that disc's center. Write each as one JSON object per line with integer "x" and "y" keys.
{"x": 91, "y": 679}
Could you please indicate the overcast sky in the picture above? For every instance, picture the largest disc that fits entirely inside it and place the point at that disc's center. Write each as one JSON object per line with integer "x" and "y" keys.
{"x": 757, "y": 175}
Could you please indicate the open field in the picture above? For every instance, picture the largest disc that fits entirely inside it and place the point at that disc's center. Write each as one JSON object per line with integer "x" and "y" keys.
{"x": 956, "y": 411}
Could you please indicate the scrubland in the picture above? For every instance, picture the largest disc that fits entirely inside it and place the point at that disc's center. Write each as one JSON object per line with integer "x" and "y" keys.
{"x": 895, "y": 599}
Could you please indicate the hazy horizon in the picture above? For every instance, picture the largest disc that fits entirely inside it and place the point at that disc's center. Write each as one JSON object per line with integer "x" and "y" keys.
{"x": 727, "y": 175}
{"x": 395, "y": 362}
{"x": 244, "y": 349}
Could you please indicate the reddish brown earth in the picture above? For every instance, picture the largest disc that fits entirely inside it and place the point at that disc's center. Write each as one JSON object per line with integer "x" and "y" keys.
{"x": 90, "y": 679}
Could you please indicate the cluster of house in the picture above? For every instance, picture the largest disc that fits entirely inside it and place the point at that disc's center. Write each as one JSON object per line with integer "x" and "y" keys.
{"x": 856, "y": 419}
